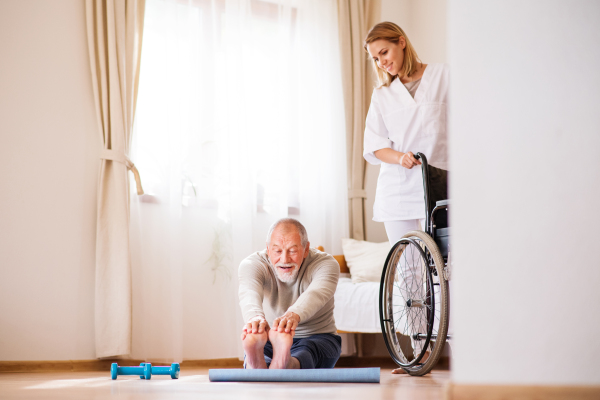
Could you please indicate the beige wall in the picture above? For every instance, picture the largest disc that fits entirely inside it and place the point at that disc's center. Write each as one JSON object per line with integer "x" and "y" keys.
{"x": 48, "y": 171}
{"x": 424, "y": 21}
{"x": 525, "y": 135}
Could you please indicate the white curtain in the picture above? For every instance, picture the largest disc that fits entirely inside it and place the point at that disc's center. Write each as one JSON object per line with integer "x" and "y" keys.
{"x": 114, "y": 30}
{"x": 356, "y": 17}
{"x": 240, "y": 121}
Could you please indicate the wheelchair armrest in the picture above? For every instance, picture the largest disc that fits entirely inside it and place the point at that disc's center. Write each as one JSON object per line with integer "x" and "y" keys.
{"x": 442, "y": 203}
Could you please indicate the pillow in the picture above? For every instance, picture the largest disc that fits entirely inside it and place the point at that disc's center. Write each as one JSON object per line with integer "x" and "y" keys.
{"x": 365, "y": 259}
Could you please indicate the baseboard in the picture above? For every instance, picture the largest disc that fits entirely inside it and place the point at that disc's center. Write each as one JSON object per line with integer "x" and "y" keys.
{"x": 365, "y": 362}
{"x": 382, "y": 362}
{"x": 511, "y": 392}
{"x": 104, "y": 365}
{"x": 217, "y": 363}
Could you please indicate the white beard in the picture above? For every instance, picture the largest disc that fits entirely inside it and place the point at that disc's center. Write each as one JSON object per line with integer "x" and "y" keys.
{"x": 288, "y": 276}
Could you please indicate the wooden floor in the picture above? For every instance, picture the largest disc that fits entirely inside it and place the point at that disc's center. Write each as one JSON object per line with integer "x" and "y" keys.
{"x": 194, "y": 384}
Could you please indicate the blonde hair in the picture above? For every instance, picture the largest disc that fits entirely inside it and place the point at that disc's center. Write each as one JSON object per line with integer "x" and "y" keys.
{"x": 392, "y": 33}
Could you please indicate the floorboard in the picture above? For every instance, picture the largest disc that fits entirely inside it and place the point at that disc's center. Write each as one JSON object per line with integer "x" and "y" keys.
{"x": 194, "y": 384}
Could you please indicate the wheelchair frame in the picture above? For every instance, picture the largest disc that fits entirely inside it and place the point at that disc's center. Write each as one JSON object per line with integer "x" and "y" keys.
{"x": 431, "y": 248}
{"x": 431, "y": 228}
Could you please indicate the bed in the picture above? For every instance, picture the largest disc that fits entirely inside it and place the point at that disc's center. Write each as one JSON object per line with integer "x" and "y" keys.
{"x": 356, "y": 313}
{"x": 356, "y": 309}
{"x": 356, "y": 304}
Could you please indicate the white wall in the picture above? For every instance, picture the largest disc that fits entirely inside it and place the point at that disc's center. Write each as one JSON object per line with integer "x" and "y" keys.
{"x": 525, "y": 141}
{"x": 48, "y": 172}
{"x": 424, "y": 22}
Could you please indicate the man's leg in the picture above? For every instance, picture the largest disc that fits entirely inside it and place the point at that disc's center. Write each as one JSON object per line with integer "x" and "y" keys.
{"x": 282, "y": 344}
{"x": 317, "y": 351}
{"x": 254, "y": 345}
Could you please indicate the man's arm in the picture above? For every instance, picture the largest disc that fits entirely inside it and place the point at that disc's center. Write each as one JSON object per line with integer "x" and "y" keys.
{"x": 324, "y": 282}
{"x": 251, "y": 292}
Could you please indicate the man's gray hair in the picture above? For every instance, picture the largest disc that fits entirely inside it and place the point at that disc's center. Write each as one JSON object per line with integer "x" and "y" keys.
{"x": 289, "y": 221}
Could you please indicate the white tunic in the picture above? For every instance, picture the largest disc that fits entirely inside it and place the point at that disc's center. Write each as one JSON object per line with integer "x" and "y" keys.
{"x": 397, "y": 121}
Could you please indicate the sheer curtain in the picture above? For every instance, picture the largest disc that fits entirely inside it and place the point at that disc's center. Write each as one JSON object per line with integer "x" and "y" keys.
{"x": 240, "y": 121}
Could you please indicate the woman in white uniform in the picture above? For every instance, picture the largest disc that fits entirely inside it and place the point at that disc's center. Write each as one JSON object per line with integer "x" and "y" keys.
{"x": 407, "y": 115}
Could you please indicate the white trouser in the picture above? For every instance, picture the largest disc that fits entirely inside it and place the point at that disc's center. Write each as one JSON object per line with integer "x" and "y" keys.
{"x": 396, "y": 229}
{"x": 412, "y": 273}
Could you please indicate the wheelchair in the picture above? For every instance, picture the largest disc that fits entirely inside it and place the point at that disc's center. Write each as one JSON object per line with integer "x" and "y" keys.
{"x": 413, "y": 294}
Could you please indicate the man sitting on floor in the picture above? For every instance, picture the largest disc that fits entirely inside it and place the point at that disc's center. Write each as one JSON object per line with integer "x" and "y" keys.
{"x": 297, "y": 284}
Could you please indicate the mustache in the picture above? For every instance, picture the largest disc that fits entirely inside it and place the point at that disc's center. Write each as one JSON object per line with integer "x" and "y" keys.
{"x": 286, "y": 265}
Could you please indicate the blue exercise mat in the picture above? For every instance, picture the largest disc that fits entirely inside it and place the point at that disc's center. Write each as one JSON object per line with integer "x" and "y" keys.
{"x": 355, "y": 375}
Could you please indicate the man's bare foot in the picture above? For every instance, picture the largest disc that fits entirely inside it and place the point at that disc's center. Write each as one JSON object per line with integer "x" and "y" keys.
{"x": 254, "y": 348}
{"x": 282, "y": 343}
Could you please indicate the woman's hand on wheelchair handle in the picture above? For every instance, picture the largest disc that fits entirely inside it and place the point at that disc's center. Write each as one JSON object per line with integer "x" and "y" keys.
{"x": 408, "y": 160}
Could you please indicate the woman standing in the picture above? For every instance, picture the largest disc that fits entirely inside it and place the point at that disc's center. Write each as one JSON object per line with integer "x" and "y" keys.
{"x": 407, "y": 115}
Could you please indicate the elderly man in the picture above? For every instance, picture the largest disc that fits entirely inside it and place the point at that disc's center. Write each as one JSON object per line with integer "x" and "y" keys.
{"x": 295, "y": 284}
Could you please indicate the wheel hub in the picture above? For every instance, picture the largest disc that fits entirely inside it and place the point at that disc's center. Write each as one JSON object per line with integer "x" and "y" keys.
{"x": 415, "y": 303}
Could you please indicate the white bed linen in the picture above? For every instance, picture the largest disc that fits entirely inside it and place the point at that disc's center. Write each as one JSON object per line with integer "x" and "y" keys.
{"x": 356, "y": 306}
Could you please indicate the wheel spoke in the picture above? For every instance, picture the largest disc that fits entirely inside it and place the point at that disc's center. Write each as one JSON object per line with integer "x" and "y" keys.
{"x": 409, "y": 277}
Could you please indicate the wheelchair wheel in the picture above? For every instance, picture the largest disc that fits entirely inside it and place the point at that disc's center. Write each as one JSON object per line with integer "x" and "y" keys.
{"x": 413, "y": 301}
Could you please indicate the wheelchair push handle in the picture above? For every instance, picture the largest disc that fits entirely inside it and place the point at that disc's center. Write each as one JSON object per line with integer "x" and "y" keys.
{"x": 420, "y": 156}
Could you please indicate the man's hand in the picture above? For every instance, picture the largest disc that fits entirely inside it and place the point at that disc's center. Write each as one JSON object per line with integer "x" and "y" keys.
{"x": 288, "y": 322}
{"x": 255, "y": 325}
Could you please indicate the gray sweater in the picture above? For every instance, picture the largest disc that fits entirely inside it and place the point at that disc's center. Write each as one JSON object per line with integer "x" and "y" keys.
{"x": 310, "y": 295}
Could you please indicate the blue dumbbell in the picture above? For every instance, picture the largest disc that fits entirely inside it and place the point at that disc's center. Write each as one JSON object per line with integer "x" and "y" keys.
{"x": 173, "y": 370}
{"x": 144, "y": 370}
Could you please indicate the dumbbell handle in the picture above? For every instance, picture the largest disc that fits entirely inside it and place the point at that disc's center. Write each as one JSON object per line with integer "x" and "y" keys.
{"x": 173, "y": 370}
{"x": 130, "y": 370}
{"x": 144, "y": 370}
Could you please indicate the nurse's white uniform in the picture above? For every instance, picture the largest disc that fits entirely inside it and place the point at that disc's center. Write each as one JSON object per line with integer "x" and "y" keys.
{"x": 398, "y": 121}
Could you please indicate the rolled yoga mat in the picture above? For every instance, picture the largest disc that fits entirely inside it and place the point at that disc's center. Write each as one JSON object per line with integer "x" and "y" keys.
{"x": 355, "y": 375}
